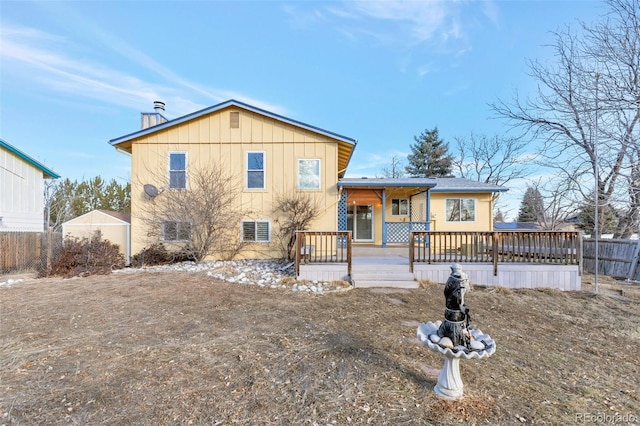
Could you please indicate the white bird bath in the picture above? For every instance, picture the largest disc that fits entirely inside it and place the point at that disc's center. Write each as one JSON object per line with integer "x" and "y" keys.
{"x": 449, "y": 384}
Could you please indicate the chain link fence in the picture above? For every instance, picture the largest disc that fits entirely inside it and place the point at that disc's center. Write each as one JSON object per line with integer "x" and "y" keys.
{"x": 28, "y": 251}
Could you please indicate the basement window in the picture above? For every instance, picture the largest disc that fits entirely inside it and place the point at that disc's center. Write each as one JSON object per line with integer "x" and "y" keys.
{"x": 256, "y": 231}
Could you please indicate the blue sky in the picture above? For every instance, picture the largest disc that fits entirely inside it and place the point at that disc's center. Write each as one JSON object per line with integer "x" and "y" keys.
{"x": 74, "y": 75}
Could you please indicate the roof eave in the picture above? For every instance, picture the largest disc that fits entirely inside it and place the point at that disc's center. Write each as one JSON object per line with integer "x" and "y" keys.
{"x": 469, "y": 190}
{"x": 226, "y": 104}
{"x": 47, "y": 172}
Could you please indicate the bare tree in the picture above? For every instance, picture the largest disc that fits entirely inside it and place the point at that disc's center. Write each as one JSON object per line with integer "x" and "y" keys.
{"x": 587, "y": 108}
{"x": 559, "y": 205}
{"x": 200, "y": 221}
{"x": 394, "y": 169}
{"x": 296, "y": 212}
{"x": 496, "y": 160}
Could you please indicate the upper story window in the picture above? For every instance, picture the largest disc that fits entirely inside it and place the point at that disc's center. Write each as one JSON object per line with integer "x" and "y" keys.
{"x": 255, "y": 170}
{"x": 399, "y": 207}
{"x": 178, "y": 170}
{"x": 309, "y": 174}
{"x": 460, "y": 210}
{"x": 256, "y": 231}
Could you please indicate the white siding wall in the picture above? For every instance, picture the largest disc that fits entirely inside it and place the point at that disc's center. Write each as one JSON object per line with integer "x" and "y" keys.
{"x": 21, "y": 194}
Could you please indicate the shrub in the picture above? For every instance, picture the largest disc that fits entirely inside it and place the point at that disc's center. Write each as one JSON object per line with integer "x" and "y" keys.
{"x": 158, "y": 254}
{"x": 83, "y": 257}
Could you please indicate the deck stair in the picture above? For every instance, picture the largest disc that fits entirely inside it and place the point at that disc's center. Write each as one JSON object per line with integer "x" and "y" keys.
{"x": 382, "y": 272}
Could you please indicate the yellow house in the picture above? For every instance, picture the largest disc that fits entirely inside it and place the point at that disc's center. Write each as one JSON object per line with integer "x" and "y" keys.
{"x": 414, "y": 204}
{"x": 271, "y": 155}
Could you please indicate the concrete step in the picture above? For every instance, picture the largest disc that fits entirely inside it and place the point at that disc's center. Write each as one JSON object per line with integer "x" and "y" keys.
{"x": 382, "y": 276}
{"x": 384, "y": 283}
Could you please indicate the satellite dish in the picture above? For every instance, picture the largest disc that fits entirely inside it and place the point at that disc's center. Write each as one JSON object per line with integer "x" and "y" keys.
{"x": 150, "y": 190}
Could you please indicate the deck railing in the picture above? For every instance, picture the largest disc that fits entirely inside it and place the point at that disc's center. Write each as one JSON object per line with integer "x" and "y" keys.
{"x": 323, "y": 247}
{"x": 544, "y": 247}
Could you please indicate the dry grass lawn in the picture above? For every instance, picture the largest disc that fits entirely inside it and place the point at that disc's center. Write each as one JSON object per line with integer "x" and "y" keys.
{"x": 180, "y": 349}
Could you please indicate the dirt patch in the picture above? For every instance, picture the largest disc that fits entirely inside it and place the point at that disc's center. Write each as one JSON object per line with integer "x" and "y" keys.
{"x": 184, "y": 348}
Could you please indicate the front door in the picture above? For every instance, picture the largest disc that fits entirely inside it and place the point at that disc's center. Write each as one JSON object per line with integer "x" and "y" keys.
{"x": 360, "y": 223}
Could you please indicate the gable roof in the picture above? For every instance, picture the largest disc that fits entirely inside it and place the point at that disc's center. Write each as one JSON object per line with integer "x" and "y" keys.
{"x": 122, "y": 217}
{"x": 125, "y": 217}
{"x": 226, "y": 104}
{"x": 346, "y": 144}
{"x": 47, "y": 172}
{"x": 438, "y": 184}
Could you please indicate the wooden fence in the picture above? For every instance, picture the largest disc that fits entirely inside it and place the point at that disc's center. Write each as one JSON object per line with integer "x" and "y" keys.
{"x": 27, "y": 251}
{"x": 616, "y": 258}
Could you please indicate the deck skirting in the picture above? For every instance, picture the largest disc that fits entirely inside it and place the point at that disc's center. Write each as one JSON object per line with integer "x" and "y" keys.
{"x": 324, "y": 272}
{"x": 517, "y": 275}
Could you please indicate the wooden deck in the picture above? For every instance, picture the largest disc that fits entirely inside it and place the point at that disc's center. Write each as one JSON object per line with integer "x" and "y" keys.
{"x": 512, "y": 265}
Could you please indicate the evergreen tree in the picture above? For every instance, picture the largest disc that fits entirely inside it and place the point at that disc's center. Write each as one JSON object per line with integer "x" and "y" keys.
{"x": 607, "y": 218}
{"x": 532, "y": 206}
{"x": 68, "y": 199}
{"x": 429, "y": 157}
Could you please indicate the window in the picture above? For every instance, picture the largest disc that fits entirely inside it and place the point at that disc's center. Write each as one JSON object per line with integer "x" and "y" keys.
{"x": 399, "y": 207}
{"x": 461, "y": 210}
{"x": 176, "y": 231}
{"x": 255, "y": 170}
{"x": 309, "y": 174}
{"x": 256, "y": 231}
{"x": 178, "y": 170}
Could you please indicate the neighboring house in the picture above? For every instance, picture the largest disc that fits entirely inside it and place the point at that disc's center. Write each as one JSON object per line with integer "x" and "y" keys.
{"x": 113, "y": 226}
{"x": 274, "y": 155}
{"x": 22, "y": 206}
{"x": 516, "y": 226}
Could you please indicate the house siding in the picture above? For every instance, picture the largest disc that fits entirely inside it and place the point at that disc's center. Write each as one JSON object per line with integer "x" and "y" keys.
{"x": 484, "y": 212}
{"x": 210, "y": 138}
{"x": 21, "y": 194}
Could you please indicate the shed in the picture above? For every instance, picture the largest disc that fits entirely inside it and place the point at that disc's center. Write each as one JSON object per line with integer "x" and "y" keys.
{"x": 114, "y": 226}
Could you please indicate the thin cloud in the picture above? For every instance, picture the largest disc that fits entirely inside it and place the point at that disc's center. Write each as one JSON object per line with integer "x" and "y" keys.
{"x": 425, "y": 27}
{"x": 43, "y": 57}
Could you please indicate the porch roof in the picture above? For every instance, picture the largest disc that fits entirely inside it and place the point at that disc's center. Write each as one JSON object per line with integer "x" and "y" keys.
{"x": 365, "y": 182}
{"x": 436, "y": 184}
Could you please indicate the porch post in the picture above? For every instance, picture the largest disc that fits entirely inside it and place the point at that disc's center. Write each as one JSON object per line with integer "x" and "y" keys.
{"x": 384, "y": 218}
{"x": 428, "y": 210}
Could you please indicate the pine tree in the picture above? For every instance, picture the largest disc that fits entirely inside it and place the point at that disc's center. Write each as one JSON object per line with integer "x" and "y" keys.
{"x": 532, "y": 206}
{"x": 66, "y": 199}
{"x": 429, "y": 157}
{"x": 607, "y": 218}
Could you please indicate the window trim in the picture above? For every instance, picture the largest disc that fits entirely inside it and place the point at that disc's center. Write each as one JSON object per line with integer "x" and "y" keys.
{"x": 255, "y": 222}
{"x": 461, "y": 200}
{"x": 406, "y": 200}
{"x": 178, "y": 224}
{"x": 186, "y": 171}
{"x": 264, "y": 170}
{"x": 319, "y": 161}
